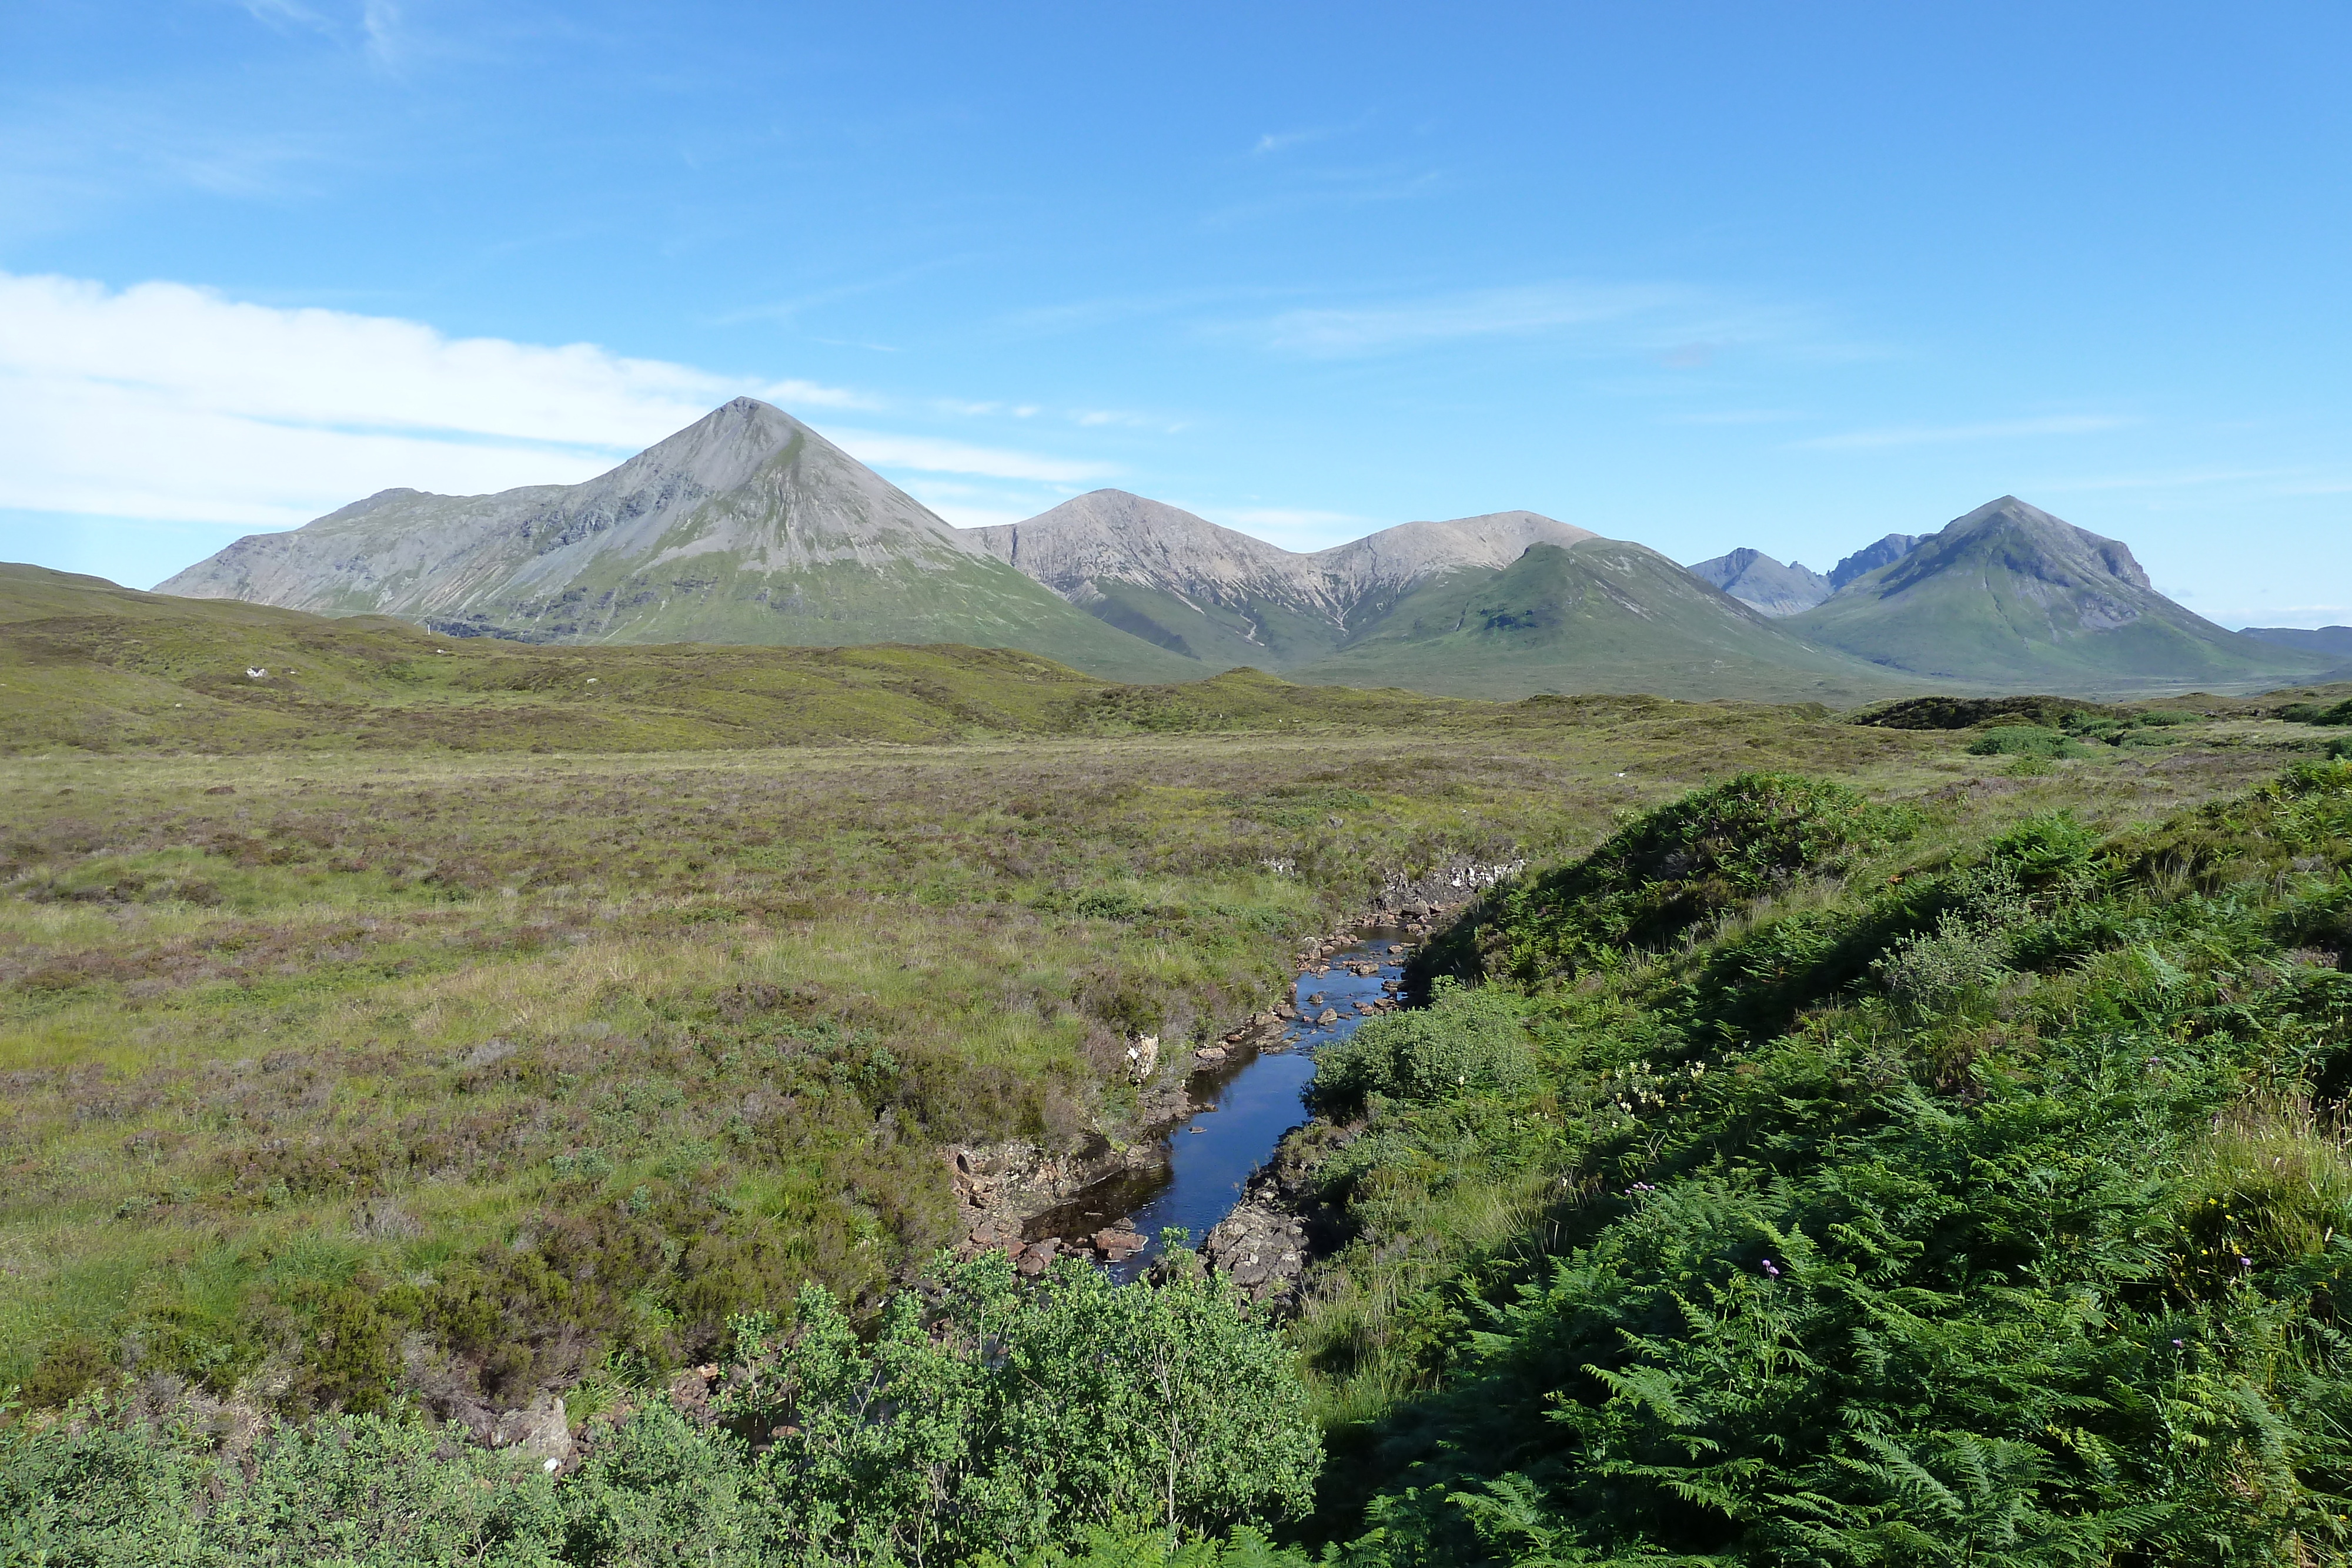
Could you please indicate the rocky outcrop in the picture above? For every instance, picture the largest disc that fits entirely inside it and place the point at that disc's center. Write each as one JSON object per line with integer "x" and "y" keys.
{"x": 999, "y": 1187}
{"x": 539, "y": 1429}
{"x": 1279, "y": 1229}
{"x": 1420, "y": 903}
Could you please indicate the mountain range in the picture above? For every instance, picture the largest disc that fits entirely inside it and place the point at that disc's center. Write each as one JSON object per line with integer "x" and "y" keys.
{"x": 745, "y": 527}
{"x": 748, "y": 526}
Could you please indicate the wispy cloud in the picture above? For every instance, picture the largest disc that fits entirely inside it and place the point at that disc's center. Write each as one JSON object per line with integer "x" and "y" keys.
{"x": 1940, "y": 435}
{"x": 282, "y": 14}
{"x": 1274, "y": 141}
{"x": 1327, "y": 187}
{"x": 985, "y": 410}
{"x": 380, "y": 23}
{"x": 1123, "y": 419}
{"x": 1529, "y": 311}
{"x": 167, "y": 402}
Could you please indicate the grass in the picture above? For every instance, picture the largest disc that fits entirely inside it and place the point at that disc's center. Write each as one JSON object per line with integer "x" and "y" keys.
{"x": 346, "y": 995}
{"x": 398, "y": 1015}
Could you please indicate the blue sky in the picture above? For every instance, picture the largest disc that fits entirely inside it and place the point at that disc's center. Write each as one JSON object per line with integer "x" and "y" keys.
{"x": 1699, "y": 275}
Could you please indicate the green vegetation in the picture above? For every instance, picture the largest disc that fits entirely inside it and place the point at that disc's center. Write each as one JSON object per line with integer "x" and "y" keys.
{"x": 1599, "y": 615}
{"x": 2317, "y": 713}
{"x": 1967, "y": 1196}
{"x": 337, "y": 1075}
{"x": 350, "y": 1089}
{"x": 88, "y": 667}
{"x": 1072, "y": 1421}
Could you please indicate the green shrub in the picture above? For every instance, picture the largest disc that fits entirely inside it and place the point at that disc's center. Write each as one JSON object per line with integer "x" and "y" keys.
{"x": 2043, "y": 852}
{"x": 1011, "y": 1419}
{"x": 1932, "y": 972}
{"x": 1466, "y": 1042}
{"x": 2317, "y": 713}
{"x": 1070, "y": 1419}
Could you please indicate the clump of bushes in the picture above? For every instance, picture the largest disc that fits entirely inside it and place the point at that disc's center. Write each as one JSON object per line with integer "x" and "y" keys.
{"x": 1668, "y": 873}
{"x": 2317, "y": 713}
{"x": 1071, "y": 1420}
{"x": 1466, "y": 1042}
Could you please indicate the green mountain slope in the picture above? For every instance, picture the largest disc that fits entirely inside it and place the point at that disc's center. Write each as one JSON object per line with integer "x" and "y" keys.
{"x": 88, "y": 666}
{"x": 746, "y": 526}
{"x": 1599, "y": 615}
{"x": 2009, "y": 596}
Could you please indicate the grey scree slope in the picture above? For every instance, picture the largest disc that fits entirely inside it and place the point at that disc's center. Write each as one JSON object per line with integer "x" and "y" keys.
{"x": 1111, "y": 537}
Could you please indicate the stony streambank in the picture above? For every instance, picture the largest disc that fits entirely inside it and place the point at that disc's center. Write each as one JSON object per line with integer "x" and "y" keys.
{"x": 1241, "y": 1189}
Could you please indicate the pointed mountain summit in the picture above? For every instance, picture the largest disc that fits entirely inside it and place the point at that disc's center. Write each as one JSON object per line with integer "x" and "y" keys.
{"x": 745, "y": 527}
{"x": 1761, "y": 584}
{"x": 1224, "y": 598}
{"x": 2010, "y": 595}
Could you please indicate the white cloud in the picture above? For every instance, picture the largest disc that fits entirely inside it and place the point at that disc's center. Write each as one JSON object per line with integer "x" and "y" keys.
{"x": 168, "y": 402}
{"x": 1934, "y": 435}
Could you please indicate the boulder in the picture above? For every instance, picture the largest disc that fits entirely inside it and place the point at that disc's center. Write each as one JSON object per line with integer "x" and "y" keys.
{"x": 1116, "y": 1243}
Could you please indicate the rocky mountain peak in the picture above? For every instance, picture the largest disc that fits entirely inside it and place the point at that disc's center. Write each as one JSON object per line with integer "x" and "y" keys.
{"x": 1885, "y": 552}
{"x": 1756, "y": 579}
{"x": 2032, "y": 541}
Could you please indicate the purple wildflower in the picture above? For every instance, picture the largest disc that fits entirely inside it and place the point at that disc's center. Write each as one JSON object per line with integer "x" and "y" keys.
{"x": 1769, "y": 1268}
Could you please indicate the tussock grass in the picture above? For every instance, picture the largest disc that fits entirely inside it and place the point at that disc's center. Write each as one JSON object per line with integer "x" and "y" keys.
{"x": 428, "y": 1030}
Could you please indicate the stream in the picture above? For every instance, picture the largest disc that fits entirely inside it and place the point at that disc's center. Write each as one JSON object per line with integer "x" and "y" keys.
{"x": 1246, "y": 1105}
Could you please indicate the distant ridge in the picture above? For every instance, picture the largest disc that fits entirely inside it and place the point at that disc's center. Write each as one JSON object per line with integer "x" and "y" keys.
{"x": 2331, "y": 642}
{"x": 2008, "y": 595}
{"x": 1757, "y": 581}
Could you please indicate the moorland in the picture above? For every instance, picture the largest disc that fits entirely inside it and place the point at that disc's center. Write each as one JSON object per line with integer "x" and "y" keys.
{"x": 1844, "y": 1142}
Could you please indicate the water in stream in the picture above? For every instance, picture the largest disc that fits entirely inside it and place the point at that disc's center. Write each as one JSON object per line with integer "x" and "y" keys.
{"x": 1246, "y": 1106}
